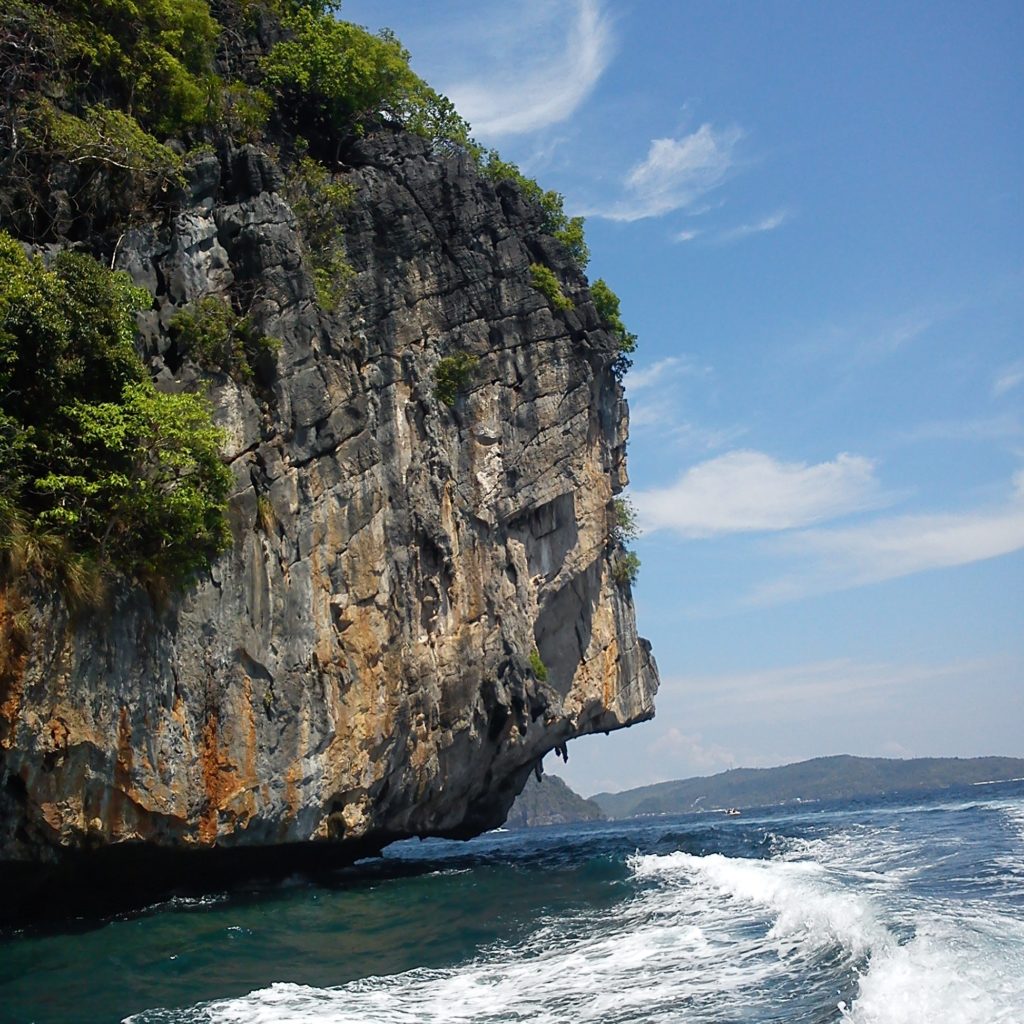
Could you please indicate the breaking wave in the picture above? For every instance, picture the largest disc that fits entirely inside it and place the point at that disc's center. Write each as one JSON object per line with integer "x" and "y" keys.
{"x": 862, "y": 925}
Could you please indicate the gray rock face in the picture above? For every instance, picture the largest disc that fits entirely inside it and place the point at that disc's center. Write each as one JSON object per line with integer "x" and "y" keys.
{"x": 357, "y": 667}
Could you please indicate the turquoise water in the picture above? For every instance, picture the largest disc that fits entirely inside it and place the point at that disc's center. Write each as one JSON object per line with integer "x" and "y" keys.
{"x": 892, "y": 913}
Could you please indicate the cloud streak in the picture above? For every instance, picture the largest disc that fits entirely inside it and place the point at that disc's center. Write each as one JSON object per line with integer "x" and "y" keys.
{"x": 700, "y": 756}
{"x": 664, "y": 370}
{"x": 654, "y": 394}
{"x": 823, "y": 685}
{"x": 1009, "y": 379}
{"x": 749, "y": 491}
{"x": 892, "y": 547}
{"x": 770, "y": 223}
{"x": 550, "y": 87}
{"x": 675, "y": 174}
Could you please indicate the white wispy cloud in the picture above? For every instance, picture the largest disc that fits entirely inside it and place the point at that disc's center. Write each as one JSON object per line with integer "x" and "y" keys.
{"x": 675, "y": 174}
{"x": 851, "y": 347}
{"x": 749, "y": 491}
{"x": 988, "y": 428}
{"x": 1008, "y": 379}
{"x": 656, "y": 403}
{"x": 547, "y": 87}
{"x": 664, "y": 370}
{"x": 894, "y": 546}
{"x": 758, "y": 227}
{"x": 700, "y": 756}
{"x": 821, "y": 685}
{"x": 771, "y": 222}
{"x": 660, "y": 416}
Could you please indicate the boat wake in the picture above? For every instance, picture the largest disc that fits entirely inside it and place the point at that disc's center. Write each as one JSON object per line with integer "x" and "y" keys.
{"x": 838, "y": 930}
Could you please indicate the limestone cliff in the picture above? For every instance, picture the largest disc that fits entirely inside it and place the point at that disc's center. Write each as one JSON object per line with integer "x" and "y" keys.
{"x": 358, "y": 667}
{"x": 549, "y": 800}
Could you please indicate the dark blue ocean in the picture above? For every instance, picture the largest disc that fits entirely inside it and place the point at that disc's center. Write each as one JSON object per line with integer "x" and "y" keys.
{"x": 899, "y": 911}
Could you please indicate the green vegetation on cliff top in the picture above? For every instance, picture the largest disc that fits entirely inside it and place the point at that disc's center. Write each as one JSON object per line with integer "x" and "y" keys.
{"x": 102, "y": 100}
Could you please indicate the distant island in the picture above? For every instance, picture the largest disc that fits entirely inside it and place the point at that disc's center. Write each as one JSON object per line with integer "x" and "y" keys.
{"x": 842, "y": 777}
{"x": 550, "y": 802}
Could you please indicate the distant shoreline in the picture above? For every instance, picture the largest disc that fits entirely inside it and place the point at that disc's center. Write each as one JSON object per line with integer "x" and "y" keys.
{"x": 840, "y": 777}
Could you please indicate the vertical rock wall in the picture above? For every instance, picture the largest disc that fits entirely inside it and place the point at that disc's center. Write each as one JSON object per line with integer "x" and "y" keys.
{"x": 357, "y": 667}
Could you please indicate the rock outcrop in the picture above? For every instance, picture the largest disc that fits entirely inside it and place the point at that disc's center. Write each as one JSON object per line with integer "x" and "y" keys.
{"x": 550, "y": 801}
{"x": 358, "y": 667}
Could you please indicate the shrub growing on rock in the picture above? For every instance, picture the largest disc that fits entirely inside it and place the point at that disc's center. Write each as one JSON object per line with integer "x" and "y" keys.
{"x": 452, "y": 376}
{"x": 97, "y": 463}
{"x": 543, "y": 279}
{"x": 626, "y": 568}
{"x": 606, "y": 302}
{"x": 319, "y": 201}
{"x": 215, "y": 337}
{"x": 537, "y": 666}
{"x": 568, "y": 230}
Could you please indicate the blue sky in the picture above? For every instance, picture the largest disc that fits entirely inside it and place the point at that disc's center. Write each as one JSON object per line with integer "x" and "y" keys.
{"x": 813, "y": 216}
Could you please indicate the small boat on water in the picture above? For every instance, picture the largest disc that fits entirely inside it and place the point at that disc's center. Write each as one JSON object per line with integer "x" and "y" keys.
{"x": 733, "y": 812}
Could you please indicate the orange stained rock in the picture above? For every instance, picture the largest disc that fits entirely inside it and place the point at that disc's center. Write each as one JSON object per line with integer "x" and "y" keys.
{"x": 229, "y": 787}
{"x": 51, "y": 814}
{"x": 13, "y": 658}
{"x": 209, "y": 765}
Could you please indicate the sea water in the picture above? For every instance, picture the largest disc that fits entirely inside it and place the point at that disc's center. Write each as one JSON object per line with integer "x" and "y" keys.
{"x": 898, "y": 911}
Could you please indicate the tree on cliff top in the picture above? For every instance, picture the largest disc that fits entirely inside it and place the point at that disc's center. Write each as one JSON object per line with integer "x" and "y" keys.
{"x": 335, "y": 75}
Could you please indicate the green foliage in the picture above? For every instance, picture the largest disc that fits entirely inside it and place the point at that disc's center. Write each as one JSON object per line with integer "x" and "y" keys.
{"x": 624, "y": 526}
{"x": 266, "y": 517}
{"x": 142, "y": 483}
{"x": 337, "y": 76}
{"x": 571, "y": 235}
{"x": 99, "y": 468}
{"x": 606, "y": 302}
{"x": 626, "y": 568}
{"x": 154, "y": 56}
{"x": 104, "y": 136}
{"x": 244, "y": 111}
{"x": 215, "y": 337}
{"x": 568, "y": 230}
{"x": 537, "y": 666}
{"x": 88, "y": 88}
{"x": 319, "y": 201}
{"x": 625, "y": 563}
{"x": 543, "y": 279}
{"x": 452, "y": 376}
{"x": 65, "y": 333}
{"x": 331, "y": 275}
{"x": 153, "y": 59}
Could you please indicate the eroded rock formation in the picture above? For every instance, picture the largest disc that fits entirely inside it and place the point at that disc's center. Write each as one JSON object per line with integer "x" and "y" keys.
{"x": 358, "y": 667}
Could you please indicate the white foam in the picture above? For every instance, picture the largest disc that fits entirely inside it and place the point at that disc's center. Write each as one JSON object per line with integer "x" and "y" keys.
{"x": 1013, "y": 811}
{"x": 804, "y": 899}
{"x": 705, "y": 939}
{"x": 947, "y": 975}
{"x": 677, "y": 946}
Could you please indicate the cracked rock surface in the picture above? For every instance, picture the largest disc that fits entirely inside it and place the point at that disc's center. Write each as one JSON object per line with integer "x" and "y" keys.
{"x": 357, "y": 667}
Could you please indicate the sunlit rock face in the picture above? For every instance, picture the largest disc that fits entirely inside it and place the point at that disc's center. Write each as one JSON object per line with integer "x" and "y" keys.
{"x": 358, "y": 667}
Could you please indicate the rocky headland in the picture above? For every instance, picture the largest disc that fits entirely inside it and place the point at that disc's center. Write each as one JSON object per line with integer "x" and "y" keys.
{"x": 420, "y": 597}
